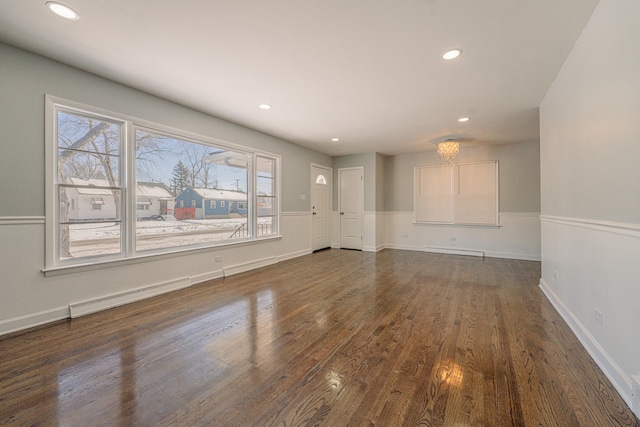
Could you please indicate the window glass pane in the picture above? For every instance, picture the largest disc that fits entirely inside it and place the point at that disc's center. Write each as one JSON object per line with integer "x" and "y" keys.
{"x": 92, "y": 226}
{"x": 190, "y": 188}
{"x": 102, "y": 169}
{"x": 265, "y": 176}
{"x": 88, "y": 148}
{"x": 266, "y": 195}
{"x": 89, "y": 204}
{"x": 265, "y": 225}
{"x": 88, "y": 174}
{"x": 84, "y": 133}
{"x": 89, "y": 239}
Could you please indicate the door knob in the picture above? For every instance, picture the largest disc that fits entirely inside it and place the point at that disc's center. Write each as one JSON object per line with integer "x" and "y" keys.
{"x": 341, "y": 213}
{"x": 314, "y": 213}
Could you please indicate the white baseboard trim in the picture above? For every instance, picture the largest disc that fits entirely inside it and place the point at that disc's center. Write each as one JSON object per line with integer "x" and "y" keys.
{"x": 82, "y": 308}
{"x": 377, "y": 248}
{"x": 509, "y": 255}
{"x": 210, "y": 275}
{"x": 32, "y": 320}
{"x": 636, "y": 394}
{"x": 292, "y": 255}
{"x": 251, "y": 265}
{"x": 615, "y": 374}
{"x": 454, "y": 251}
{"x": 404, "y": 247}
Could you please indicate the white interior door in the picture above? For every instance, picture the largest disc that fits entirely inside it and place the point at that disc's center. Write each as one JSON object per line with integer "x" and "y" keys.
{"x": 320, "y": 207}
{"x": 351, "y": 199}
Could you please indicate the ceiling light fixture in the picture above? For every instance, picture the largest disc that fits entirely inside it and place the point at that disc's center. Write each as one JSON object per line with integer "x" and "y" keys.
{"x": 335, "y": 139}
{"x": 452, "y": 54}
{"x": 463, "y": 119}
{"x": 448, "y": 150}
{"x": 264, "y": 106}
{"x": 63, "y": 10}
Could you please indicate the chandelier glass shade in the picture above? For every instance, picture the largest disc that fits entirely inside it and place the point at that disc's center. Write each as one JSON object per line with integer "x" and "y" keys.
{"x": 448, "y": 150}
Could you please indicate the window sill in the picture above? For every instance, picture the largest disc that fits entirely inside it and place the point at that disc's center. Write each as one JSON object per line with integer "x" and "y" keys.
{"x": 140, "y": 258}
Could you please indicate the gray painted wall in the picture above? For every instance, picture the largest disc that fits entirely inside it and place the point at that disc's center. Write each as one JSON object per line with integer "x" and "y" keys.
{"x": 519, "y": 175}
{"x": 590, "y": 175}
{"x": 591, "y": 123}
{"x": 25, "y": 78}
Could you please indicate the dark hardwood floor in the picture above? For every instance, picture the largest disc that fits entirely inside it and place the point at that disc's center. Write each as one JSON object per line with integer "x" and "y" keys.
{"x": 335, "y": 338}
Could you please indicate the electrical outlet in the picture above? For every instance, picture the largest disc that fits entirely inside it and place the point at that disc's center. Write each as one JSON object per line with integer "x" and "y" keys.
{"x": 218, "y": 259}
{"x": 598, "y": 316}
{"x": 453, "y": 239}
{"x": 556, "y": 275}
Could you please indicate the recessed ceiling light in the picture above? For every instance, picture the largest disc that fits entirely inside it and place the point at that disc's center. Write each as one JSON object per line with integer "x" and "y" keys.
{"x": 264, "y": 106}
{"x": 463, "y": 119}
{"x": 62, "y": 10}
{"x": 452, "y": 54}
{"x": 335, "y": 139}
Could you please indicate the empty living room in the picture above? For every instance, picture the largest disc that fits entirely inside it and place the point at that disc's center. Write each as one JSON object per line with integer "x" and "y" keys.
{"x": 410, "y": 213}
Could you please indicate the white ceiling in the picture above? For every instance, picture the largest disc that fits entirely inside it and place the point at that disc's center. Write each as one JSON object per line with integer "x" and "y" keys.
{"x": 367, "y": 71}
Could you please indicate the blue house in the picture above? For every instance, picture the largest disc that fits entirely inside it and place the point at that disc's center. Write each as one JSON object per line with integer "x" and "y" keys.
{"x": 206, "y": 203}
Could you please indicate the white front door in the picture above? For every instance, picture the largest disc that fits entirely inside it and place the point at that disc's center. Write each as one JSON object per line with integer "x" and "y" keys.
{"x": 320, "y": 207}
{"x": 351, "y": 207}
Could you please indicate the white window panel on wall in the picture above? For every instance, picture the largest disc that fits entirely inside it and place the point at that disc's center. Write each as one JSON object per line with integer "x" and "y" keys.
{"x": 434, "y": 194}
{"x": 465, "y": 194}
{"x": 476, "y": 195}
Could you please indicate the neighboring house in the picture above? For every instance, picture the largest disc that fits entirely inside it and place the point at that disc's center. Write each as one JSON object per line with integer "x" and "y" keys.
{"x": 153, "y": 199}
{"x": 89, "y": 201}
{"x": 200, "y": 203}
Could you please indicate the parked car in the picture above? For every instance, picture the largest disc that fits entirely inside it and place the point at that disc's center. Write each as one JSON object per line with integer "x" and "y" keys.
{"x": 153, "y": 218}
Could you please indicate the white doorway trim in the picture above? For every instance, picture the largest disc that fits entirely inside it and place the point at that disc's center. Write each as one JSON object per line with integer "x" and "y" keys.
{"x": 321, "y": 206}
{"x": 351, "y": 207}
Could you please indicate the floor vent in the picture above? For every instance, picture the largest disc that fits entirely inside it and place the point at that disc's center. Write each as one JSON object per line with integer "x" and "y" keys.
{"x": 110, "y": 301}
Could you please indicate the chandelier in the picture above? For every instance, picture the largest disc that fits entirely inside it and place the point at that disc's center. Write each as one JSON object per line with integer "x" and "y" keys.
{"x": 448, "y": 150}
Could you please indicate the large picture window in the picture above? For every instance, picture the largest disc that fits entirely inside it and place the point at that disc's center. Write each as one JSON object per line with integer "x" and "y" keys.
{"x": 120, "y": 189}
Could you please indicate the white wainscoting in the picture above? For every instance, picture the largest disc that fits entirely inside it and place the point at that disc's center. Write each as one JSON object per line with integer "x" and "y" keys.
{"x": 518, "y": 236}
{"x": 28, "y": 298}
{"x": 590, "y": 265}
{"x": 373, "y": 231}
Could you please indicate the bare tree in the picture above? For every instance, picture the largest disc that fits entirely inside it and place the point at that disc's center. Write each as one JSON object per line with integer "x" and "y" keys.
{"x": 150, "y": 150}
{"x": 201, "y": 172}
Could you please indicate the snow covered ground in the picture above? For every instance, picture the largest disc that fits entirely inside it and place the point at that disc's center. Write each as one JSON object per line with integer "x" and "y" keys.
{"x": 104, "y": 238}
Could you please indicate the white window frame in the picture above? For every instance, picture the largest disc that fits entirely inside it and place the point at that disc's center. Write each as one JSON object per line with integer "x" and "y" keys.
{"x": 54, "y": 264}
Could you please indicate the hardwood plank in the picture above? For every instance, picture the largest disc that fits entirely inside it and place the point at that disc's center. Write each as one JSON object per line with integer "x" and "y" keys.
{"x": 333, "y": 338}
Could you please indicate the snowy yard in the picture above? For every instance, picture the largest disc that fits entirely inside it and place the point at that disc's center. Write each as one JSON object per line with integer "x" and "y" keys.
{"x": 88, "y": 239}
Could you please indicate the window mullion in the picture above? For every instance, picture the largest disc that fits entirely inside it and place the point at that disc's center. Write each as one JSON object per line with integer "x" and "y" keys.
{"x": 129, "y": 166}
